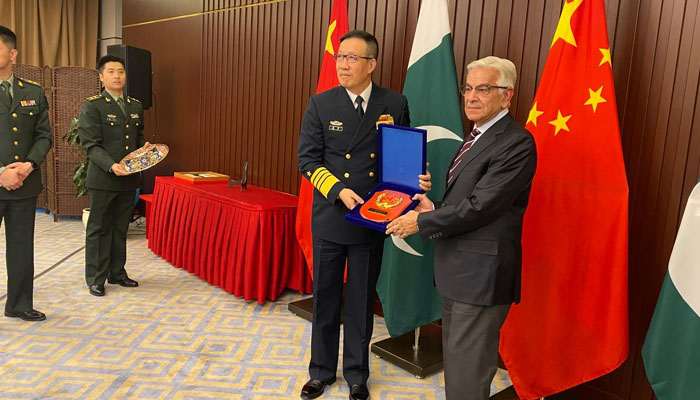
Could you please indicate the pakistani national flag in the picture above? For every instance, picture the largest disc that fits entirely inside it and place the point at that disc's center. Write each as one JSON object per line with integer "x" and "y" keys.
{"x": 409, "y": 298}
{"x": 671, "y": 350}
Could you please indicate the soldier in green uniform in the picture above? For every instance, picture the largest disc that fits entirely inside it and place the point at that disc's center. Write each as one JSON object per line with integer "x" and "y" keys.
{"x": 25, "y": 138}
{"x": 111, "y": 127}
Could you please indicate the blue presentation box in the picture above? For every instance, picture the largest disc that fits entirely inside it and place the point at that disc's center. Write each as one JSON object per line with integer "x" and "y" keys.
{"x": 401, "y": 157}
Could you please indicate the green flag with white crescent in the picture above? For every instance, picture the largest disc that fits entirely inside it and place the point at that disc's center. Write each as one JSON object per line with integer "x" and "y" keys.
{"x": 406, "y": 290}
{"x": 671, "y": 350}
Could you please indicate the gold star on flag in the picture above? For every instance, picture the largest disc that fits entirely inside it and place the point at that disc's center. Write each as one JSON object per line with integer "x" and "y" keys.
{"x": 606, "y": 57}
{"x": 534, "y": 114}
{"x": 564, "y": 31}
{"x": 560, "y": 123}
{"x": 329, "y": 42}
{"x": 594, "y": 98}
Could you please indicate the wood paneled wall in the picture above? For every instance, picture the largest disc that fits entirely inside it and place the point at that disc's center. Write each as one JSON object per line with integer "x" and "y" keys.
{"x": 232, "y": 86}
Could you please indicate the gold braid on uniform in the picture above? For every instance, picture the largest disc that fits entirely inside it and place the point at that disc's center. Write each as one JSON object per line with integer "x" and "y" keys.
{"x": 323, "y": 180}
{"x": 30, "y": 82}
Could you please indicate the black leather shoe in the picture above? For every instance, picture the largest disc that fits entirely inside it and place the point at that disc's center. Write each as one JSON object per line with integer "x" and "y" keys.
{"x": 359, "y": 392}
{"x": 97, "y": 290}
{"x": 314, "y": 388}
{"x": 126, "y": 282}
{"x": 30, "y": 315}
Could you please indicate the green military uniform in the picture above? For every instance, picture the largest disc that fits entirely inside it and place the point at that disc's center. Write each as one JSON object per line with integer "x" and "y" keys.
{"x": 25, "y": 136}
{"x": 108, "y": 134}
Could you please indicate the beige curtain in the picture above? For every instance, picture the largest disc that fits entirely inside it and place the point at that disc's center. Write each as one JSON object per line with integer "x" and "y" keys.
{"x": 53, "y": 32}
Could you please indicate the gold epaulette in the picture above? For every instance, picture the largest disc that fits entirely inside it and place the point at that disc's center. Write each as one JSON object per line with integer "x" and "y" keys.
{"x": 93, "y": 98}
{"x": 30, "y": 82}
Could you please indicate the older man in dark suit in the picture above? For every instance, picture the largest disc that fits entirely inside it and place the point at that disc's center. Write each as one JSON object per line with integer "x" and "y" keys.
{"x": 25, "y": 138}
{"x": 477, "y": 229}
{"x": 338, "y": 154}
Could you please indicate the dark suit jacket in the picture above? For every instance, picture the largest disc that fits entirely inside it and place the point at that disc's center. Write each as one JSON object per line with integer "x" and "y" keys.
{"x": 478, "y": 227}
{"x": 25, "y": 134}
{"x": 337, "y": 151}
{"x": 108, "y": 136}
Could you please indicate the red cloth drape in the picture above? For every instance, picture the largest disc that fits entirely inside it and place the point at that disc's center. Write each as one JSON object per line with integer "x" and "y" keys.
{"x": 243, "y": 242}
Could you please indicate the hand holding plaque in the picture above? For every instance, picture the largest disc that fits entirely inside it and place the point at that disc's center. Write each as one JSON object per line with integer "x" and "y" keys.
{"x": 144, "y": 158}
{"x": 401, "y": 167}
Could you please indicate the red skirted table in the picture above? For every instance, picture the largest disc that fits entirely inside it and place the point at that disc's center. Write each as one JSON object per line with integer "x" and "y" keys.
{"x": 243, "y": 242}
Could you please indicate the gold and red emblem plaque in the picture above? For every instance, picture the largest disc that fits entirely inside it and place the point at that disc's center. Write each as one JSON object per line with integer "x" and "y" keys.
{"x": 385, "y": 205}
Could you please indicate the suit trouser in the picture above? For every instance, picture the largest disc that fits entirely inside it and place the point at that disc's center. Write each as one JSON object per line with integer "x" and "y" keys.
{"x": 105, "y": 236}
{"x": 470, "y": 336}
{"x": 364, "y": 263}
{"x": 19, "y": 216}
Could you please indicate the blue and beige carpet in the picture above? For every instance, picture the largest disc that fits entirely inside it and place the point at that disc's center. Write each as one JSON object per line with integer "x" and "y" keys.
{"x": 174, "y": 337}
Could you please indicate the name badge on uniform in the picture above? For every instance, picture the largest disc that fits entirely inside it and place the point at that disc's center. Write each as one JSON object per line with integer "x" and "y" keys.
{"x": 385, "y": 119}
{"x": 336, "y": 126}
{"x": 27, "y": 103}
{"x": 111, "y": 118}
{"x": 134, "y": 116}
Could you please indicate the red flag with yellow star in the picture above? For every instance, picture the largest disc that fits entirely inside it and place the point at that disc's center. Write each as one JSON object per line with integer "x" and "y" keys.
{"x": 327, "y": 79}
{"x": 572, "y": 323}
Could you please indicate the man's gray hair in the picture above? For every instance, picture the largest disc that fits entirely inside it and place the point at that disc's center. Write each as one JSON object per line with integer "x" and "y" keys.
{"x": 506, "y": 69}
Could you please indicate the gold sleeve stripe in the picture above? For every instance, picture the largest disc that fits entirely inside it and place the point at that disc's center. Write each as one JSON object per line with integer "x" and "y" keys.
{"x": 318, "y": 175}
{"x": 328, "y": 185}
{"x": 323, "y": 180}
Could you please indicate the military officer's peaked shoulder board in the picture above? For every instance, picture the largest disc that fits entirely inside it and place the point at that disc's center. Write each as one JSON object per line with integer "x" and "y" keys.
{"x": 21, "y": 81}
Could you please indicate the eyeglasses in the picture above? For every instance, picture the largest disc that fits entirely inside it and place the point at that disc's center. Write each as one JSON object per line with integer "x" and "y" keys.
{"x": 481, "y": 90}
{"x": 350, "y": 58}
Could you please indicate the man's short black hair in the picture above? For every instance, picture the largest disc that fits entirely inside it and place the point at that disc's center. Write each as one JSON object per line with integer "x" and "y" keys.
{"x": 109, "y": 58}
{"x": 372, "y": 44}
{"x": 8, "y": 37}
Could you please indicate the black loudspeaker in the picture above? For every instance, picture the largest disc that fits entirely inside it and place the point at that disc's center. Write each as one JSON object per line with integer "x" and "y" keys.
{"x": 138, "y": 71}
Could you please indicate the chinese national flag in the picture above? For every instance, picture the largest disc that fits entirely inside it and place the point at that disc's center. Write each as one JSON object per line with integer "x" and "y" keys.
{"x": 572, "y": 323}
{"x": 337, "y": 27}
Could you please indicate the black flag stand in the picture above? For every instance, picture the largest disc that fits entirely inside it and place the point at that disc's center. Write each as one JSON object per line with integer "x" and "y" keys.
{"x": 303, "y": 308}
{"x": 418, "y": 352}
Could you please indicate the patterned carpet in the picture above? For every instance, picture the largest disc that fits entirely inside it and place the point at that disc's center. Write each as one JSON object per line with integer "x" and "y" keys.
{"x": 174, "y": 337}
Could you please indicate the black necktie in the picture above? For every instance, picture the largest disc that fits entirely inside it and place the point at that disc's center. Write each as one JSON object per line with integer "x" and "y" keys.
{"x": 360, "y": 110}
{"x": 5, "y": 96}
{"x": 467, "y": 144}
